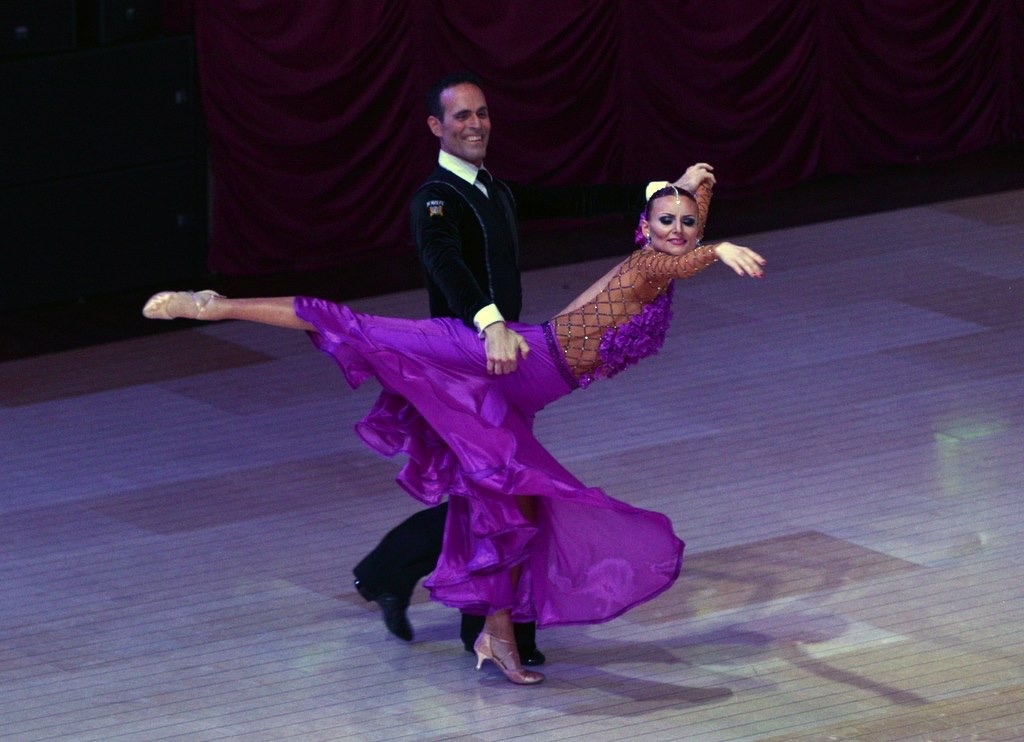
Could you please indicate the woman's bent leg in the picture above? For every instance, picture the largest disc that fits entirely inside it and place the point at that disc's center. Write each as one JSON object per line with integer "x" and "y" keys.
{"x": 497, "y": 643}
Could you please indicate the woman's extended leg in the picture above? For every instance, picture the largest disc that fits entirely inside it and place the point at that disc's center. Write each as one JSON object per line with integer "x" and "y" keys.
{"x": 211, "y": 306}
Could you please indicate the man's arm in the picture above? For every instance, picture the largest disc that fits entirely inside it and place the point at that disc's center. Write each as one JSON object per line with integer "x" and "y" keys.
{"x": 435, "y": 220}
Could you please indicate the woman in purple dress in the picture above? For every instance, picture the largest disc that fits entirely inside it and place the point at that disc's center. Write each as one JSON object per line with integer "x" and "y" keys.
{"x": 524, "y": 539}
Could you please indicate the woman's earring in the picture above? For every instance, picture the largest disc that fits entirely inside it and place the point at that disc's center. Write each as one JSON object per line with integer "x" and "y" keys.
{"x": 648, "y": 236}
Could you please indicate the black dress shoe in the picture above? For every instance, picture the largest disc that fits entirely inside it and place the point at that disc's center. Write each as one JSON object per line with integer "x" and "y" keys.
{"x": 532, "y": 657}
{"x": 365, "y": 591}
{"x": 392, "y": 607}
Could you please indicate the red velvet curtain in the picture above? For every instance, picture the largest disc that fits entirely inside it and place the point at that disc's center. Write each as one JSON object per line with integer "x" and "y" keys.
{"x": 317, "y": 124}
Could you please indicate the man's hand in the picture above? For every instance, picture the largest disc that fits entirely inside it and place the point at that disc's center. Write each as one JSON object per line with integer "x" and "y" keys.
{"x": 503, "y": 347}
{"x": 694, "y": 176}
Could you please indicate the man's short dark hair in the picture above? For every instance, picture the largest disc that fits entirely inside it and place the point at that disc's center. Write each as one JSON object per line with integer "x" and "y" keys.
{"x": 434, "y": 106}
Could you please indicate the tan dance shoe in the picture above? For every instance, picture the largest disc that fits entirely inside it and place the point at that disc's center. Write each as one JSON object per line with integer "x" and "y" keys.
{"x": 178, "y": 304}
{"x": 503, "y": 653}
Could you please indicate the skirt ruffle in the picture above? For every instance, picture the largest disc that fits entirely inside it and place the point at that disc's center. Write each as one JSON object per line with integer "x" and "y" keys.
{"x": 584, "y": 557}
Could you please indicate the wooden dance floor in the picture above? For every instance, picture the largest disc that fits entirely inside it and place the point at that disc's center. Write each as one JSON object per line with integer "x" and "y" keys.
{"x": 841, "y": 445}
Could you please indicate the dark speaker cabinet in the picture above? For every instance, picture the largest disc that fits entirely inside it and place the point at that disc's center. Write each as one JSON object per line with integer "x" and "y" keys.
{"x": 98, "y": 109}
{"x": 102, "y": 172}
{"x": 44, "y": 26}
{"x": 115, "y": 20}
{"x": 37, "y": 26}
{"x": 73, "y": 238}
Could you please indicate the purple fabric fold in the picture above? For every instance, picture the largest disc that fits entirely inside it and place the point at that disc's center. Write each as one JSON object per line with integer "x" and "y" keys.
{"x": 584, "y": 558}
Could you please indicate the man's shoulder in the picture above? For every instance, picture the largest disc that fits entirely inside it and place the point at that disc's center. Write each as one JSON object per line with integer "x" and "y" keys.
{"x": 441, "y": 179}
{"x": 441, "y": 189}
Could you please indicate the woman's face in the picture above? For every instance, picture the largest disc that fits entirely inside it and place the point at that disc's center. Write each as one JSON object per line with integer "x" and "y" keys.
{"x": 672, "y": 226}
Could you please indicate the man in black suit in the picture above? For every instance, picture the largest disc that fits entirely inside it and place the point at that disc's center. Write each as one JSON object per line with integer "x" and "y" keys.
{"x": 464, "y": 223}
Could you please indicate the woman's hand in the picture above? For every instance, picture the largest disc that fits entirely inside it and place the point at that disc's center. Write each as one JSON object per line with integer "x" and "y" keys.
{"x": 743, "y": 260}
{"x": 694, "y": 176}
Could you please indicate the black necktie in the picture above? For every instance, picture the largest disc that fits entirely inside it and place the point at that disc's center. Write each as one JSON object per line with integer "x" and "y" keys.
{"x": 482, "y": 176}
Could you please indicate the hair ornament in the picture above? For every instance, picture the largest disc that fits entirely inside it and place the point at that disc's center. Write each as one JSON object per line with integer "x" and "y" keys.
{"x": 654, "y": 186}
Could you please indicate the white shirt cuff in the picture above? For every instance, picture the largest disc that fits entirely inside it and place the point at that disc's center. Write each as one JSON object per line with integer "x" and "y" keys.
{"x": 487, "y": 316}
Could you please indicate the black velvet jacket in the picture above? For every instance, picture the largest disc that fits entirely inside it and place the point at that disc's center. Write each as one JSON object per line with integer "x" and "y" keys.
{"x": 468, "y": 245}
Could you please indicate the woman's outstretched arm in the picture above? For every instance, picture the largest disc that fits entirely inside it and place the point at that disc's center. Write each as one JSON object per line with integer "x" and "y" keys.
{"x": 278, "y": 311}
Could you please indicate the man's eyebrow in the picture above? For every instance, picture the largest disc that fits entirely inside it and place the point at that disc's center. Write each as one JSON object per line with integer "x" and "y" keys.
{"x": 462, "y": 111}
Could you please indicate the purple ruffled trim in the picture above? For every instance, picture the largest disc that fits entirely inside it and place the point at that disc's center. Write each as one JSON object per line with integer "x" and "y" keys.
{"x": 642, "y": 336}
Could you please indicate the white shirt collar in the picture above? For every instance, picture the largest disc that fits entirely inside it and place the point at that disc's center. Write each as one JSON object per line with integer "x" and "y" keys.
{"x": 465, "y": 170}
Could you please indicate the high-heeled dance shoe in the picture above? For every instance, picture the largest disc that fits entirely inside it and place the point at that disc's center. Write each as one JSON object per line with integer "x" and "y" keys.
{"x": 503, "y": 653}
{"x": 178, "y": 304}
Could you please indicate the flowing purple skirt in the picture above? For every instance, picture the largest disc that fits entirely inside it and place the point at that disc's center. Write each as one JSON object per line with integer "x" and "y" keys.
{"x": 585, "y": 557}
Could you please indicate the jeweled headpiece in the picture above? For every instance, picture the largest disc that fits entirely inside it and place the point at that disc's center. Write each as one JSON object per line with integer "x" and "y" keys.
{"x": 656, "y": 185}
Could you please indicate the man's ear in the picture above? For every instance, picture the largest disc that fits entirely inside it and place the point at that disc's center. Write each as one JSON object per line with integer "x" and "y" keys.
{"x": 435, "y": 125}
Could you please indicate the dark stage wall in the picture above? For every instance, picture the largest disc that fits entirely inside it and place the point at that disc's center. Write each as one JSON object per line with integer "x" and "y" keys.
{"x": 313, "y": 117}
{"x": 317, "y": 127}
{"x": 102, "y": 165}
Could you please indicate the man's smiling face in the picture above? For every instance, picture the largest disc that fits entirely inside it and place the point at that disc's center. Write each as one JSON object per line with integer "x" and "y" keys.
{"x": 466, "y": 125}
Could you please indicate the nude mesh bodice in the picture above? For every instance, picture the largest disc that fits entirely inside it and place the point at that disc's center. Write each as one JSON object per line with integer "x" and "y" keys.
{"x": 627, "y": 319}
